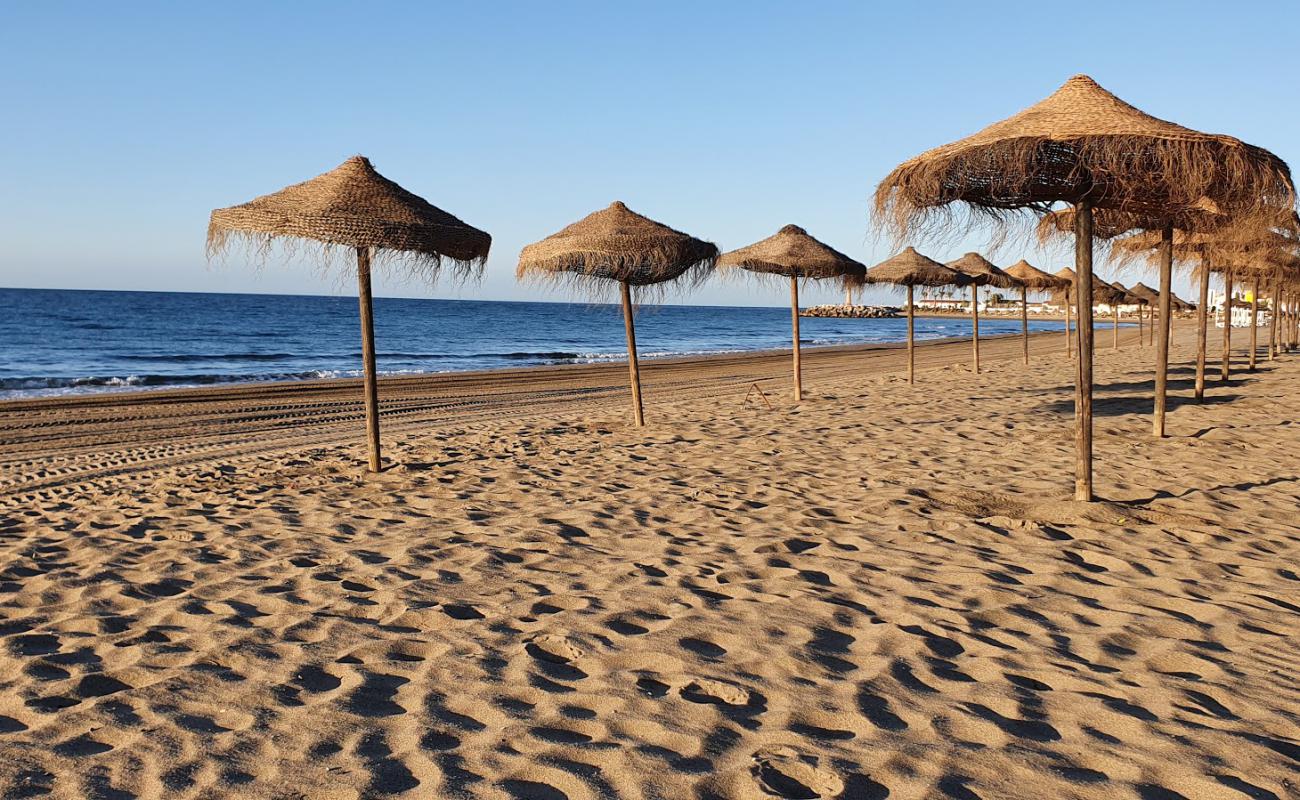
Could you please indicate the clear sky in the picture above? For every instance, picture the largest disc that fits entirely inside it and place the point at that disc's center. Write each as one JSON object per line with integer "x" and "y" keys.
{"x": 125, "y": 123}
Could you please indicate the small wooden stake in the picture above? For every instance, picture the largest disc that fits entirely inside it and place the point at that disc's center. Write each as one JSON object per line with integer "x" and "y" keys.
{"x": 1202, "y": 326}
{"x": 1254, "y": 321}
{"x": 911, "y": 343}
{"x": 1083, "y": 369}
{"x": 632, "y": 365}
{"x": 368, "y": 356}
{"x": 1162, "y": 346}
{"x": 1024, "y": 321}
{"x": 975, "y": 322}
{"x": 794, "y": 322}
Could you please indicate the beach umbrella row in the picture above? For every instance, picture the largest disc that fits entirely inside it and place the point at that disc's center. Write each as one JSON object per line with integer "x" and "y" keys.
{"x": 1118, "y": 168}
{"x": 1085, "y": 147}
{"x": 354, "y": 208}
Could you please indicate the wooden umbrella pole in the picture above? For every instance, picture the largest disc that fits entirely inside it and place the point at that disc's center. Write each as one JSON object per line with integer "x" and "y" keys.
{"x": 1069, "y": 340}
{"x": 1202, "y": 323}
{"x": 1272, "y": 324}
{"x": 1024, "y": 320}
{"x": 1083, "y": 369}
{"x": 1114, "y": 337}
{"x": 975, "y": 323}
{"x": 1295, "y": 321}
{"x": 1162, "y": 345}
{"x": 794, "y": 323}
{"x": 911, "y": 342}
{"x": 1141, "y": 319}
{"x": 1227, "y": 326}
{"x": 633, "y": 368}
{"x": 368, "y": 356}
{"x": 1254, "y": 321}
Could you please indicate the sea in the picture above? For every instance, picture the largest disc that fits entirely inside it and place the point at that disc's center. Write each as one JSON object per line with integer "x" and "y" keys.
{"x": 59, "y": 342}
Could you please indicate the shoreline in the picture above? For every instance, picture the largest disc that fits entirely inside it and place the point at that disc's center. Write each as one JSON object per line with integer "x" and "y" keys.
{"x": 132, "y": 394}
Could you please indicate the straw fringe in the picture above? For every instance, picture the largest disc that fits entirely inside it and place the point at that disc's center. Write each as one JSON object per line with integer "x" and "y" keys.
{"x": 910, "y": 268}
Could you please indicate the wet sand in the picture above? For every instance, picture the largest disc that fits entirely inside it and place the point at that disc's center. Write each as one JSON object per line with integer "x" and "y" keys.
{"x": 880, "y": 592}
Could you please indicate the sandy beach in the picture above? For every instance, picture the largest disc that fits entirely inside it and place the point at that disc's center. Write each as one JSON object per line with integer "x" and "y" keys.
{"x": 879, "y": 593}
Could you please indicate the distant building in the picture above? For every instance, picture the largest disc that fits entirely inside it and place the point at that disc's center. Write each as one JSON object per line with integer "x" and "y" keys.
{"x": 942, "y": 304}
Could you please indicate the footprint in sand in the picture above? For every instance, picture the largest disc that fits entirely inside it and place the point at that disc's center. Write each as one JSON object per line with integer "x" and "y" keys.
{"x": 553, "y": 648}
{"x": 704, "y": 690}
{"x": 785, "y": 772}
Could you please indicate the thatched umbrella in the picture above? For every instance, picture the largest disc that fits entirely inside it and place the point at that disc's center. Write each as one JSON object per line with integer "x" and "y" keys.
{"x": 1134, "y": 299}
{"x": 980, "y": 273}
{"x": 911, "y": 269}
{"x": 1086, "y": 147}
{"x": 1069, "y": 278}
{"x": 619, "y": 245}
{"x": 1033, "y": 279}
{"x": 1129, "y": 299}
{"x": 1152, "y": 298}
{"x": 354, "y": 207}
{"x": 793, "y": 254}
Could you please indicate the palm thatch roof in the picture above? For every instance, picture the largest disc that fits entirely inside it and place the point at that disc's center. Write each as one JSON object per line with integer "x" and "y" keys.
{"x": 1102, "y": 292}
{"x": 1081, "y": 143}
{"x": 1151, "y": 296}
{"x": 1033, "y": 278}
{"x": 353, "y": 206}
{"x": 982, "y": 273}
{"x": 792, "y": 252}
{"x": 1223, "y": 249}
{"x": 910, "y": 268}
{"x": 1107, "y": 223}
{"x": 1129, "y": 297}
{"x": 618, "y": 244}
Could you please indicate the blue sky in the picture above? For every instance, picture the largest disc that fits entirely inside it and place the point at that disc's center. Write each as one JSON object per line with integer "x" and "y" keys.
{"x": 126, "y": 123}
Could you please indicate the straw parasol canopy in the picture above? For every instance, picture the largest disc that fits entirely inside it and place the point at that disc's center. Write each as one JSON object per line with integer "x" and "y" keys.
{"x": 354, "y": 207}
{"x": 911, "y": 269}
{"x": 1081, "y": 143}
{"x": 1033, "y": 278}
{"x": 1109, "y": 223}
{"x": 620, "y": 246}
{"x": 794, "y": 254}
{"x": 1145, "y": 292}
{"x": 982, "y": 273}
{"x": 791, "y": 252}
